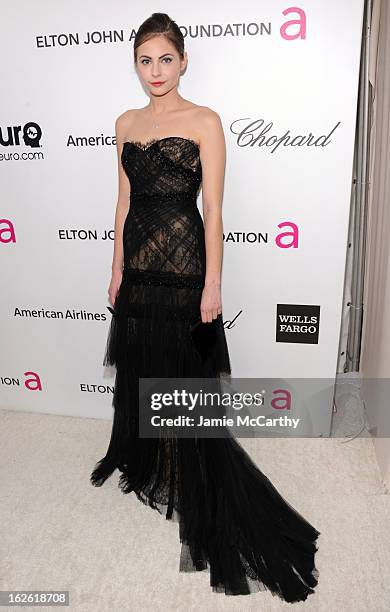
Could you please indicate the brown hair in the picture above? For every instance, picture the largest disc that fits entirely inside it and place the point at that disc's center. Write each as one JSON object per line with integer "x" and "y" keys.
{"x": 159, "y": 23}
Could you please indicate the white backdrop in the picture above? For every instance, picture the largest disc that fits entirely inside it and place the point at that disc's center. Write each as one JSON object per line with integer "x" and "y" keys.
{"x": 67, "y": 73}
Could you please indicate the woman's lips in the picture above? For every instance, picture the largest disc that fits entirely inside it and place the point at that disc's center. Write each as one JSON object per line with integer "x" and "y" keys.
{"x": 158, "y": 83}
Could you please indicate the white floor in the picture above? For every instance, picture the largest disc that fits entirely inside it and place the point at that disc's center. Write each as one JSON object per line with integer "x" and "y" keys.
{"x": 113, "y": 553}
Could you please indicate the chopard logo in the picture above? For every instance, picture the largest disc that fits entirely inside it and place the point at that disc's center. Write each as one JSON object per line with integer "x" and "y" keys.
{"x": 258, "y": 133}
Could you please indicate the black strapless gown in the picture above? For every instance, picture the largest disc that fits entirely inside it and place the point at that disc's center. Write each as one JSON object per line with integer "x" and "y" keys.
{"x": 232, "y": 521}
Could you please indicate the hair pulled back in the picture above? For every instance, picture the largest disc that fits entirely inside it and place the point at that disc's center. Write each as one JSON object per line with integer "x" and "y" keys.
{"x": 159, "y": 24}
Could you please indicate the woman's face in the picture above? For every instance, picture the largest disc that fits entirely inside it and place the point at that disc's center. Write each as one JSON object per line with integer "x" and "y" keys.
{"x": 159, "y": 65}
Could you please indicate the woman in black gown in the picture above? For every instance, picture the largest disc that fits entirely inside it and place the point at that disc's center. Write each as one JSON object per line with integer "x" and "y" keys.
{"x": 232, "y": 521}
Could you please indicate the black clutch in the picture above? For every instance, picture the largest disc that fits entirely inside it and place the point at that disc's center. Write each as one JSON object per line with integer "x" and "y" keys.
{"x": 204, "y": 337}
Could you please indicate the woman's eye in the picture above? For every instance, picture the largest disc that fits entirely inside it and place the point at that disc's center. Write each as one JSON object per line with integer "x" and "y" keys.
{"x": 169, "y": 59}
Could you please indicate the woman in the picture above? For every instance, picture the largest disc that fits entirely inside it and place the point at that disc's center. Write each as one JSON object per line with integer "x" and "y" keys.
{"x": 166, "y": 274}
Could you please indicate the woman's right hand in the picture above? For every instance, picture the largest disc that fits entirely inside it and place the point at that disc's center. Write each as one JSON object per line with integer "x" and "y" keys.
{"x": 113, "y": 289}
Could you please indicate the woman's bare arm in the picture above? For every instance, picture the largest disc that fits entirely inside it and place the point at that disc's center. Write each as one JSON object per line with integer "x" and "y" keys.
{"x": 213, "y": 158}
{"x": 123, "y": 203}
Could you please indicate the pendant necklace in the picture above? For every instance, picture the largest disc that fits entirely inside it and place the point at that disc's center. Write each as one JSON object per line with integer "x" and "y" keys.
{"x": 155, "y": 125}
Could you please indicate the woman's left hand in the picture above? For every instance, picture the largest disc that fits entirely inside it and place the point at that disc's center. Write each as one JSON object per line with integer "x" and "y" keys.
{"x": 211, "y": 303}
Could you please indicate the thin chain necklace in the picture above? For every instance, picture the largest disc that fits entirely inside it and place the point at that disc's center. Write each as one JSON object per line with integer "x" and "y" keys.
{"x": 155, "y": 125}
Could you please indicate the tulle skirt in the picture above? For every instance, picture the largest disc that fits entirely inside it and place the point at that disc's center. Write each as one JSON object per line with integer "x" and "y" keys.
{"x": 232, "y": 521}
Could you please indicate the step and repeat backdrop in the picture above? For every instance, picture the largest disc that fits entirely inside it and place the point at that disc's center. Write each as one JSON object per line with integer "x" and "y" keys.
{"x": 284, "y": 81}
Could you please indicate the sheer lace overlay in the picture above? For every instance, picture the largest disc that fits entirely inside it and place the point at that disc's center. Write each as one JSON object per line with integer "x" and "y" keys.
{"x": 163, "y": 231}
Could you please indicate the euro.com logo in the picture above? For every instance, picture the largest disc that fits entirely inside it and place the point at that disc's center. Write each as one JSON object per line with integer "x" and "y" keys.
{"x": 12, "y": 135}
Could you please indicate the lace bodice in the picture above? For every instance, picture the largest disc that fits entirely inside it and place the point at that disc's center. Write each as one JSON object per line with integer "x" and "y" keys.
{"x": 169, "y": 165}
{"x": 163, "y": 233}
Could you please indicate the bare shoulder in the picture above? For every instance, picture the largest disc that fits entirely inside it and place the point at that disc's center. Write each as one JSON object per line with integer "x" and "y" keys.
{"x": 206, "y": 117}
{"x": 124, "y": 122}
{"x": 207, "y": 113}
{"x": 209, "y": 125}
